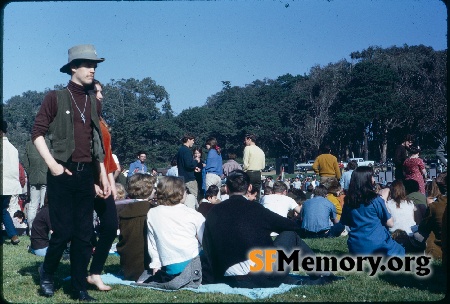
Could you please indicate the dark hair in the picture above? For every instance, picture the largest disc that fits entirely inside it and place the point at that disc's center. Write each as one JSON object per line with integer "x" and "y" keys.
{"x": 231, "y": 156}
{"x": 141, "y": 152}
{"x": 212, "y": 141}
{"x": 310, "y": 188}
{"x": 325, "y": 149}
{"x": 408, "y": 137}
{"x": 279, "y": 187}
{"x": 268, "y": 190}
{"x": 333, "y": 186}
{"x": 199, "y": 149}
{"x": 186, "y": 137}
{"x": 361, "y": 189}
{"x": 213, "y": 190}
{"x": 414, "y": 150}
{"x": 320, "y": 190}
{"x": 300, "y": 196}
{"x": 173, "y": 162}
{"x": 441, "y": 181}
{"x": 238, "y": 182}
{"x": 398, "y": 192}
{"x": 411, "y": 186}
{"x": 19, "y": 214}
{"x": 352, "y": 165}
{"x": 251, "y": 136}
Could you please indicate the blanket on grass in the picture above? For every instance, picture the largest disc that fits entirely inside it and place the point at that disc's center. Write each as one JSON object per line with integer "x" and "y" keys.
{"x": 252, "y": 293}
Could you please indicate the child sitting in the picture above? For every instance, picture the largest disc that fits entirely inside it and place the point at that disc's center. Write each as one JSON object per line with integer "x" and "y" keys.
{"x": 209, "y": 201}
{"x": 334, "y": 191}
{"x": 132, "y": 246}
{"x": 174, "y": 233}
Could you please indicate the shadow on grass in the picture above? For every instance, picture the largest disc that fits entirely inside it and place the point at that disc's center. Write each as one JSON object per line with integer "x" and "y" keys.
{"x": 436, "y": 282}
{"x": 62, "y": 272}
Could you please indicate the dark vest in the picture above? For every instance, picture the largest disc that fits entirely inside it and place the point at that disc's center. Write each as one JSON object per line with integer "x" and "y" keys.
{"x": 62, "y": 141}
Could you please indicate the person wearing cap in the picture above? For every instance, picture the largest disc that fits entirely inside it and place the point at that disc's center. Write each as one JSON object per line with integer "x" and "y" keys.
{"x": 71, "y": 118}
{"x": 10, "y": 182}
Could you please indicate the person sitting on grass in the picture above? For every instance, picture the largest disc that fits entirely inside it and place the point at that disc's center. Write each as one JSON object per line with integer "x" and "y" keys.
{"x": 132, "y": 245}
{"x": 334, "y": 190}
{"x": 209, "y": 201}
{"x": 316, "y": 214}
{"x": 279, "y": 202}
{"x": 401, "y": 208}
{"x": 174, "y": 234}
{"x": 41, "y": 231}
{"x": 251, "y": 194}
{"x": 366, "y": 215}
{"x": 430, "y": 230}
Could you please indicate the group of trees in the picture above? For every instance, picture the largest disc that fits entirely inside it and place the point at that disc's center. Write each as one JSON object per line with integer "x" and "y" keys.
{"x": 362, "y": 108}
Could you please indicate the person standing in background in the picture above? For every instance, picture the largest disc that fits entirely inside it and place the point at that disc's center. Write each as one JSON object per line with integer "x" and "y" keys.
{"x": 37, "y": 178}
{"x": 254, "y": 162}
{"x": 187, "y": 165}
{"x": 401, "y": 154}
{"x": 10, "y": 182}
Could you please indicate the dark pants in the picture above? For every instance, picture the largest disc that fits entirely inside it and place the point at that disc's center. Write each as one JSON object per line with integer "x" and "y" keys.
{"x": 107, "y": 232}
{"x": 287, "y": 241}
{"x": 255, "y": 180}
{"x": 71, "y": 207}
{"x": 6, "y": 217}
{"x": 334, "y": 231}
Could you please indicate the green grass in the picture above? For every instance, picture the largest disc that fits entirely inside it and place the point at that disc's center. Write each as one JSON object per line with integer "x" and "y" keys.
{"x": 21, "y": 283}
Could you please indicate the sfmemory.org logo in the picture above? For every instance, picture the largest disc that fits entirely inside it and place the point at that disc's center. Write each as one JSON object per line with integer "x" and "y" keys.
{"x": 269, "y": 260}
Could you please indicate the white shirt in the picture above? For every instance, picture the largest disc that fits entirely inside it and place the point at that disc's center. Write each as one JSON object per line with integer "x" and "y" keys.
{"x": 403, "y": 216}
{"x": 10, "y": 169}
{"x": 174, "y": 234}
{"x": 297, "y": 184}
{"x": 279, "y": 203}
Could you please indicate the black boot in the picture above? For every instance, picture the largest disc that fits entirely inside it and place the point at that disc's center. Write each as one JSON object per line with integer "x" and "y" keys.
{"x": 46, "y": 282}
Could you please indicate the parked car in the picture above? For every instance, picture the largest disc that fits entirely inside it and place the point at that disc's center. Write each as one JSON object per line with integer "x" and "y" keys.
{"x": 268, "y": 168}
{"x": 362, "y": 162}
{"x": 304, "y": 166}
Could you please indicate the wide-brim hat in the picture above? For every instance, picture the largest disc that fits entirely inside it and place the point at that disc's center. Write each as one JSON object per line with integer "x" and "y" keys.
{"x": 82, "y": 51}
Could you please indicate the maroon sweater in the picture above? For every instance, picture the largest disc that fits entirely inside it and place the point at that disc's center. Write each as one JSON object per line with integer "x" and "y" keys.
{"x": 83, "y": 134}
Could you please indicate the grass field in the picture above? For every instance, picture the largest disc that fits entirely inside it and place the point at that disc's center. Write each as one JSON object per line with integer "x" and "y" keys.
{"x": 21, "y": 283}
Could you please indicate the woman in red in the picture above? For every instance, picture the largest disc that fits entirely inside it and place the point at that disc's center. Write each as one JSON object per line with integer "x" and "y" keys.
{"x": 105, "y": 207}
{"x": 414, "y": 168}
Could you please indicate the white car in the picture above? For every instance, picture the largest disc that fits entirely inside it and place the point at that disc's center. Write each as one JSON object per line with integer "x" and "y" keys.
{"x": 305, "y": 166}
{"x": 362, "y": 162}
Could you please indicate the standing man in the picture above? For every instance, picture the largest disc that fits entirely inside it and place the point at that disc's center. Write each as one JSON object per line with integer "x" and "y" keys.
{"x": 10, "y": 182}
{"x": 326, "y": 165}
{"x": 37, "y": 177}
{"x": 138, "y": 166}
{"x": 187, "y": 165}
{"x": 71, "y": 118}
{"x": 254, "y": 162}
{"x": 401, "y": 154}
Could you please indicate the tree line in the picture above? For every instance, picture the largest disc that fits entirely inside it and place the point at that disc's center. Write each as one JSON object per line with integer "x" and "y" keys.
{"x": 361, "y": 108}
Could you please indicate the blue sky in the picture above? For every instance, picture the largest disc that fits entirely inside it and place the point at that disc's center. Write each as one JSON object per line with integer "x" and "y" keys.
{"x": 190, "y": 47}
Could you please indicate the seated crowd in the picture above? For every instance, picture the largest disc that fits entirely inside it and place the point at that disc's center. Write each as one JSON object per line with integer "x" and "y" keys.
{"x": 168, "y": 240}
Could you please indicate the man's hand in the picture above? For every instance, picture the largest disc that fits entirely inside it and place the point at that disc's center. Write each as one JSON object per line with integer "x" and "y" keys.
{"x": 59, "y": 169}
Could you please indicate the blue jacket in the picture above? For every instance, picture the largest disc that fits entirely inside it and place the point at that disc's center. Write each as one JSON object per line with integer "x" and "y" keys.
{"x": 214, "y": 163}
{"x": 141, "y": 168}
